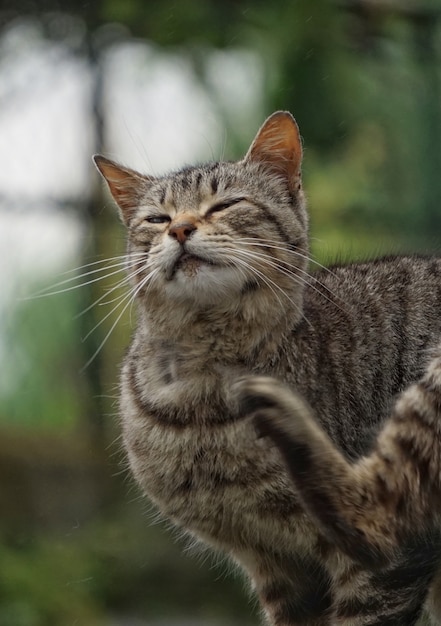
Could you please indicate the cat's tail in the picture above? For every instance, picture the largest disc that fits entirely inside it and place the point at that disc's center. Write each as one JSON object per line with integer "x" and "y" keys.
{"x": 369, "y": 508}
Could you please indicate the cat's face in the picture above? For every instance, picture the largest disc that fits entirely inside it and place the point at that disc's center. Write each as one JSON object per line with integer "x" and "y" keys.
{"x": 221, "y": 230}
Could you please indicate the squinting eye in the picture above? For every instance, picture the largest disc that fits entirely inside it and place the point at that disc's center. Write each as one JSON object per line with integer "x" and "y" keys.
{"x": 158, "y": 219}
{"x": 224, "y": 205}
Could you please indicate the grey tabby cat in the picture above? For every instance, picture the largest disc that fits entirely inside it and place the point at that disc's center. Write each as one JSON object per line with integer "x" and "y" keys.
{"x": 332, "y": 511}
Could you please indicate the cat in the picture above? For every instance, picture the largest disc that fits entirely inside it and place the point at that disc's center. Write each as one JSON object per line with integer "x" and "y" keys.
{"x": 331, "y": 511}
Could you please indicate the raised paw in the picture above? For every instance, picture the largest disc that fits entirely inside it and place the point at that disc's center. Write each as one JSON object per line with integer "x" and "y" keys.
{"x": 277, "y": 411}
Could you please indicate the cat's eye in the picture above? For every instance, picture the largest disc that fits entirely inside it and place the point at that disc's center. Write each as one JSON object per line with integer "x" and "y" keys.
{"x": 158, "y": 219}
{"x": 224, "y": 205}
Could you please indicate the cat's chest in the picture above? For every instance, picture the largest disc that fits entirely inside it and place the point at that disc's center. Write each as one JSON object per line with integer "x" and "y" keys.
{"x": 210, "y": 473}
{"x": 188, "y": 467}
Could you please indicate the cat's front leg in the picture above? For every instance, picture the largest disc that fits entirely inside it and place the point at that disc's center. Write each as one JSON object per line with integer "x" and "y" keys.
{"x": 367, "y": 509}
{"x": 327, "y": 484}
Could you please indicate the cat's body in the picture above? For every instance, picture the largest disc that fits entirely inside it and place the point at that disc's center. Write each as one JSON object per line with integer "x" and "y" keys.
{"x": 219, "y": 262}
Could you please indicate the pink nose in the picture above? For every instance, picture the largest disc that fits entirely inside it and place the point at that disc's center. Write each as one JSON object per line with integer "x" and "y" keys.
{"x": 181, "y": 231}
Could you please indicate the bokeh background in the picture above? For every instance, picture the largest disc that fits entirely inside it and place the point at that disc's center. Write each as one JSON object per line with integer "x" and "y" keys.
{"x": 158, "y": 85}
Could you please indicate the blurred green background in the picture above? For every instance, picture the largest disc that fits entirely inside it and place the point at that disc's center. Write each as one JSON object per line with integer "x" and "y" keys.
{"x": 157, "y": 85}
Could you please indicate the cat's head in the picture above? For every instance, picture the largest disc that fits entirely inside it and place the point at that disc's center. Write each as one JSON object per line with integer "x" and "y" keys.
{"x": 219, "y": 232}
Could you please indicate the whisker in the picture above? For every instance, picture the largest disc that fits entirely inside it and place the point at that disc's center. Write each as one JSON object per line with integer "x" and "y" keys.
{"x": 122, "y": 299}
{"x": 146, "y": 283}
{"x": 251, "y": 242}
{"x": 277, "y": 265}
{"x": 45, "y": 293}
{"x": 258, "y": 241}
{"x": 119, "y": 257}
{"x": 83, "y": 284}
{"x": 103, "y": 319}
{"x": 268, "y": 281}
{"x": 131, "y": 298}
{"x": 122, "y": 264}
{"x": 119, "y": 285}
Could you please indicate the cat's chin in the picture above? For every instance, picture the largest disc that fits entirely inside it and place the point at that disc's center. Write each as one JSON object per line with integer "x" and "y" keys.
{"x": 204, "y": 283}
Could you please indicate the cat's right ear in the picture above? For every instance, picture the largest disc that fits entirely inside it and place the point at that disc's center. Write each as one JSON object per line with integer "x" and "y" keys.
{"x": 278, "y": 146}
{"x": 125, "y": 185}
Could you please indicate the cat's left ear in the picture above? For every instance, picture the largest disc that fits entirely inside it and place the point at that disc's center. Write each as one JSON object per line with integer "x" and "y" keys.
{"x": 278, "y": 145}
{"x": 125, "y": 185}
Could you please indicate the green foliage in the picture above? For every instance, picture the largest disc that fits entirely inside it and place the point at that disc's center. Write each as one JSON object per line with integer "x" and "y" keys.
{"x": 364, "y": 88}
{"x": 365, "y": 91}
{"x": 47, "y": 583}
{"x": 116, "y": 566}
{"x": 42, "y": 385}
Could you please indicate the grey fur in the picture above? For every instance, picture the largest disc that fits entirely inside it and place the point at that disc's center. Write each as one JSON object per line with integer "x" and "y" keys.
{"x": 324, "y": 508}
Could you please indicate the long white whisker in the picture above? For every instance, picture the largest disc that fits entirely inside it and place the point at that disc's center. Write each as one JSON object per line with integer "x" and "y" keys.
{"x": 253, "y": 242}
{"x": 268, "y": 281}
{"x": 119, "y": 285}
{"x": 45, "y": 293}
{"x": 270, "y": 243}
{"x": 51, "y": 290}
{"x": 119, "y": 257}
{"x": 131, "y": 298}
{"x": 147, "y": 283}
{"x": 270, "y": 262}
{"x": 124, "y": 297}
{"x": 84, "y": 284}
{"x": 306, "y": 278}
{"x": 103, "y": 319}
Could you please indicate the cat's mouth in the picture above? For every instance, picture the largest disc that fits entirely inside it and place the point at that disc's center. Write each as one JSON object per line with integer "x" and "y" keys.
{"x": 189, "y": 264}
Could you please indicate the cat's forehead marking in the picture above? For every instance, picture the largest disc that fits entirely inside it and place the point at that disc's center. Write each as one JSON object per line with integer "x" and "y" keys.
{"x": 197, "y": 188}
{"x": 185, "y": 180}
{"x": 162, "y": 195}
{"x": 190, "y": 187}
{"x": 214, "y": 182}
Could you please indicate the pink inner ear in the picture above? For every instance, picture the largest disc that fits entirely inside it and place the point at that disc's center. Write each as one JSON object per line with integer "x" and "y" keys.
{"x": 125, "y": 185}
{"x": 278, "y": 145}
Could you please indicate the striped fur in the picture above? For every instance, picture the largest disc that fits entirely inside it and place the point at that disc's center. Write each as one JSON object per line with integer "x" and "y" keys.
{"x": 332, "y": 511}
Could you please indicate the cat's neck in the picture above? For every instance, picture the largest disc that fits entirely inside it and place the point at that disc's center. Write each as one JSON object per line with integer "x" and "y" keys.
{"x": 232, "y": 331}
